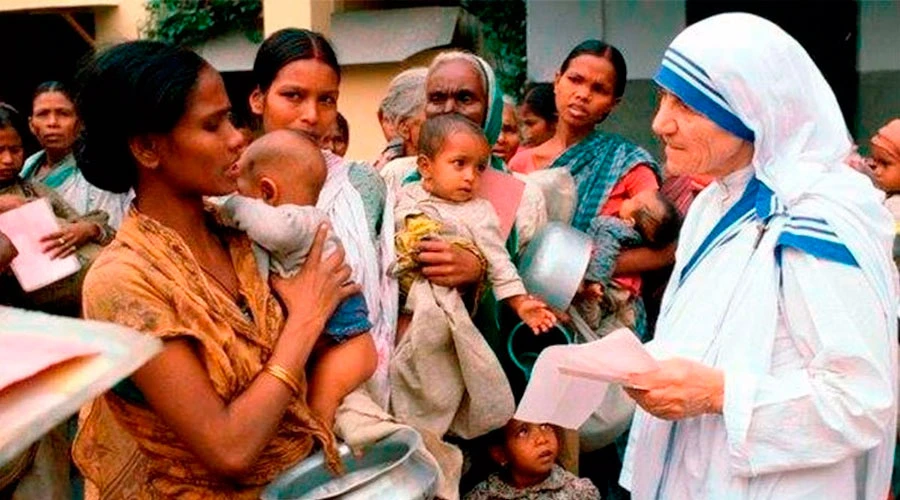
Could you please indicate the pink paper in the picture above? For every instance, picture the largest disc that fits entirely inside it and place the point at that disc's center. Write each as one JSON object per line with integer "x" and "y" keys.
{"x": 505, "y": 193}
{"x": 22, "y": 356}
{"x": 25, "y": 226}
{"x": 568, "y": 383}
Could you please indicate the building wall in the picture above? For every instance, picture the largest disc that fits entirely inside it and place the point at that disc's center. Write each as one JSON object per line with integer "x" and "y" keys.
{"x": 640, "y": 29}
{"x": 879, "y": 67}
{"x": 120, "y": 24}
{"x": 33, "y": 5}
{"x": 362, "y": 89}
{"x": 553, "y": 28}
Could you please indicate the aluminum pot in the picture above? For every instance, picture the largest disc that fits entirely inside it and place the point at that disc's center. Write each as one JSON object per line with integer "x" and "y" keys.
{"x": 554, "y": 263}
{"x": 391, "y": 469}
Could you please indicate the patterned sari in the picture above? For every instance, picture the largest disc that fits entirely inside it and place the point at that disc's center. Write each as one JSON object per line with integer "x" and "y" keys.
{"x": 149, "y": 280}
{"x": 598, "y": 163}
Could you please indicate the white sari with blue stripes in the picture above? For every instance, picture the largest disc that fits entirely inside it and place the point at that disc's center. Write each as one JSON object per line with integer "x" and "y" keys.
{"x": 783, "y": 281}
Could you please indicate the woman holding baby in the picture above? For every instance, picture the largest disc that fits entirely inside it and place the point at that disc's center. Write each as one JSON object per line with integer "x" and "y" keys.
{"x": 222, "y": 410}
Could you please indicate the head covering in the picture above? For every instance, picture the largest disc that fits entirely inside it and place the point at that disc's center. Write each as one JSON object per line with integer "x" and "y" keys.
{"x": 493, "y": 120}
{"x": 757, "y": 81}
{"x": 888, "y": 138}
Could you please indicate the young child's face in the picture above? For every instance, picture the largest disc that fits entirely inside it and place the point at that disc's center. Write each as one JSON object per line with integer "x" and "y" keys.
{"x": 886, "y": 170}
{"x": 530, "y": 449}
{"x": 12, "y": 155}
{"x": 455, "y": 171}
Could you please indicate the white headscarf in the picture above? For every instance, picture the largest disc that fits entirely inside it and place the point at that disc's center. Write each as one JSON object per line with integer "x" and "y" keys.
{"x": 754, "y": 80}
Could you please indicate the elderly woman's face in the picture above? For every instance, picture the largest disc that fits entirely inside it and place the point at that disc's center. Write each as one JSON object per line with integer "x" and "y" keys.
{"x": 455, "y": 87}
{"x": 695, "y": 144}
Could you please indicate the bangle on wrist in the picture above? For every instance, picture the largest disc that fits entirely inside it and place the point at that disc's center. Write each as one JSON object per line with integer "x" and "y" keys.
{"x": 285, "y": 377}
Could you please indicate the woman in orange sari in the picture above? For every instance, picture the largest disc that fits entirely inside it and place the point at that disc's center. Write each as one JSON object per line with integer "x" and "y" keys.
{"x": 222, "y": 410}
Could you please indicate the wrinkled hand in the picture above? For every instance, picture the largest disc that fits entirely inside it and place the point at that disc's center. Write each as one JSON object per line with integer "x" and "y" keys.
{"x": 320, "y": 286}
{"x": 679, "y": 389}
{"x": 63, "y": 243}
{"x": 448, "y": 265}
{"x": 534, "y": 312}
{"x": 11, "y": 201}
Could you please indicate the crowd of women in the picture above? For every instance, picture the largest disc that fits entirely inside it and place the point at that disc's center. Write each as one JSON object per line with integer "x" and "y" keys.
{"x": 778, "y": 381}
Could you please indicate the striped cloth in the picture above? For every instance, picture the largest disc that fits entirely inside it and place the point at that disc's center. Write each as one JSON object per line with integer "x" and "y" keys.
{"x": 598, "y": 163}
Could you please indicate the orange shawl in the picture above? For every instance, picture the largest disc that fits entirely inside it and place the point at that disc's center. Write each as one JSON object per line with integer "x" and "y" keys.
{"x": 148, "y": 279}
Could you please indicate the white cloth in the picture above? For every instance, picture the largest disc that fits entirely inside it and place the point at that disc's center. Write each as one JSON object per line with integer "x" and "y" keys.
{"x": 807, "y": 341}
{"x": 86, "y": 197}
{"x": 344, "y": 207}
{"x": 474, "y": 220}
{"x": 283, "y": 235}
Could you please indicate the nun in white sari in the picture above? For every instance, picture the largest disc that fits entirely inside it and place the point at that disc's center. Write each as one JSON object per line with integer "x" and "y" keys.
{"x": 779, "y": 325}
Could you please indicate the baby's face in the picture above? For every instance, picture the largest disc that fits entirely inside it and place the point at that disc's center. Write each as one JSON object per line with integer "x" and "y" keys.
{"x": 247, "y": 181}
{"x": 456, "y": 170}
{"x": 886, "y": 170}
{"x": 645, "y": 200}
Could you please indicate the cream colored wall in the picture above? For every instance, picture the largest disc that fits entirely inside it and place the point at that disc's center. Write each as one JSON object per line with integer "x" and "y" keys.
{"x": 120, "y": 24}
{"x": 362, "y": 89}
{"x": 13, "y": 5}
{"x": 310, "y": 14}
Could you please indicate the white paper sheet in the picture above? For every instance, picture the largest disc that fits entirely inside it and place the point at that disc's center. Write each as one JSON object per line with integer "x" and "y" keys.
{"x": 569, "y": 382}
{"x": 33, "y": 406}
{"x": 25, "y": 226}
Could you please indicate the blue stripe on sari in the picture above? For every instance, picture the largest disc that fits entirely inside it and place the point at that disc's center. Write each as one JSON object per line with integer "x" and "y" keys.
{"x": 727, "y": 227}
{"x": 699, "y": 100}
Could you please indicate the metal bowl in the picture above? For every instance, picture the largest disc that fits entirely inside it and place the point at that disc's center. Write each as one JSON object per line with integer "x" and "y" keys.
{"x": 392, "y": 468}
{"x": 554, "y": 263}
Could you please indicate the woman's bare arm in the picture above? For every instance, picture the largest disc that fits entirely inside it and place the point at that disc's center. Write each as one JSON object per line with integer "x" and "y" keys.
{"x": 229, "y": 436}
{"x": 643, "y": 259}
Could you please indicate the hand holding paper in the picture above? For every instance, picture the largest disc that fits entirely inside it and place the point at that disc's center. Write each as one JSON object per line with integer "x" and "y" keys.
{"x": 679, "y": 388}
{"x": 569, "y": 382}
{"x": 25, "y": 226}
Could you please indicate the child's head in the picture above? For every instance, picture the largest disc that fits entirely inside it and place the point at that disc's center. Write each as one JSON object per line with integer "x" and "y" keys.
{"x": 453, "y": 153}
{"x": 653, "y": 216}
{"x": 886, "y": 157}
{"x": 12, "y": 155}
{"x": 337, "y": 140}
{"x": 527, "y": 451}
{"x": 280, "y": 167}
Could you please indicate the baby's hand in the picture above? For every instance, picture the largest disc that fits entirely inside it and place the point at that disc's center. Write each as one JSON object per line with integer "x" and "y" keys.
{"x": 591, "y": 290}
{"x": 534, "y": 312}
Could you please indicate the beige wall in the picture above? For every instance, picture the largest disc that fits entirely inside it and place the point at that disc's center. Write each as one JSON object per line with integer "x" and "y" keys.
{"x": 362, "y": 89}
{"x": 12, "y": 5}
{"x": 309, "y": 14}
{"x": 122, "y": 23}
